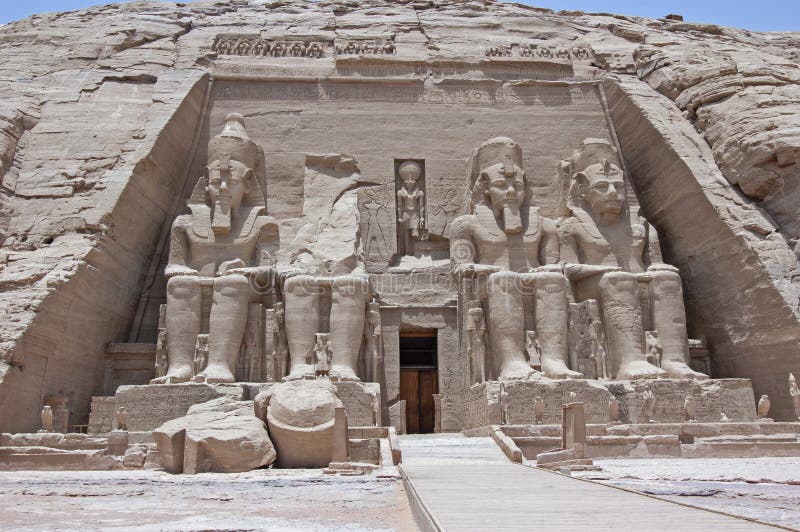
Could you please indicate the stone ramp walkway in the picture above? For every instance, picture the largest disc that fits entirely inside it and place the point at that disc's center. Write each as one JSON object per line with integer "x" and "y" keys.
{"x": 459, "y": 483}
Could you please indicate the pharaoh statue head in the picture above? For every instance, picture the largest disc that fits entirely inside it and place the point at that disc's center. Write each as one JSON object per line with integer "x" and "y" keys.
{"x": 230, "y": 179}
{"x": 597, "y": 181}
{"x": 498, "y": 180}
{"x": 409, "y": 172}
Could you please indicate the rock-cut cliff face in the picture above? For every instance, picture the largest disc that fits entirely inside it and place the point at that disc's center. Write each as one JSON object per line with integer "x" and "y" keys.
{"x": 105, "y": 113}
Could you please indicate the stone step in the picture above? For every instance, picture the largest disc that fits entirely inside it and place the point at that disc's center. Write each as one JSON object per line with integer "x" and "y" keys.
{"x": 744, "y": 449}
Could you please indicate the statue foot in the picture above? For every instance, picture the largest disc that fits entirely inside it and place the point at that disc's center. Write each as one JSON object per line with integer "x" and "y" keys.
{"x": 639, "y": 369}
{"x": 344, "y": 373}
{"x": 174, "y": 376}
{"x": 677, "y": 369}
{"x": 515, "y": 371}
{"x": 216, "y": 374}
{"x": 557, "y": 369}
{"x": 299, "y": 372}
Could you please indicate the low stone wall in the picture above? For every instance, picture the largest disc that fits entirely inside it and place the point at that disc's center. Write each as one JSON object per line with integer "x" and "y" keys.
{"x": 712, "y": 398}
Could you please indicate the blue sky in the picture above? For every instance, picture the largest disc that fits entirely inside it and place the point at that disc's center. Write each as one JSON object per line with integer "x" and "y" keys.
{"x": 762, "y": 15}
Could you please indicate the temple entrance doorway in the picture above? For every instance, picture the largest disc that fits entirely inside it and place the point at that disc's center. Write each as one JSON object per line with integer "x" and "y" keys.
{"x": 419, "y": 379}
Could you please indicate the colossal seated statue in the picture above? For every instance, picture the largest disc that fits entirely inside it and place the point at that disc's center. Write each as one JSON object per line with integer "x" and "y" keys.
{"x": 508, "y": 251}
{"x": 611, "y": 259}
{"x": 218, "y": 247}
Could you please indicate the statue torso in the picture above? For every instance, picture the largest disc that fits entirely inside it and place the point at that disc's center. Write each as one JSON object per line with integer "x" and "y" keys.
{"x": 619, "y": 244}
{"x": 513, "y": 252}
{"x": 207, "y": 250}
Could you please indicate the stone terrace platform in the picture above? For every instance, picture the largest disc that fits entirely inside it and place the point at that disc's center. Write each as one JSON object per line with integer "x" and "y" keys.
{"x": 458, "y": 483}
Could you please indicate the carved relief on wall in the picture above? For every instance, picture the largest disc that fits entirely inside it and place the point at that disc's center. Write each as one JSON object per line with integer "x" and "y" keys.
{"x": 377, "y": 210}
{"x": 255, "y": 46}
{"x": 542, "y": 51}
{"x": 365, "y": 46}
{"x": 445, "y": 202}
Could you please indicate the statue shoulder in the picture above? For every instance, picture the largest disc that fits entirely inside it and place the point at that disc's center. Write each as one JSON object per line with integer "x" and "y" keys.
{"x": 461, "y": 226}
{"x": 569, "y": 226}
{"x": 184, "y": 221}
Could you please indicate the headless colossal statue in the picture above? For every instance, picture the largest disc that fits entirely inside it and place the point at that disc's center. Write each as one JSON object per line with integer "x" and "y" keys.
{"x": 218, "y": 246}
{"x": 609, "y": 258}
{"x": 512, "y": 251}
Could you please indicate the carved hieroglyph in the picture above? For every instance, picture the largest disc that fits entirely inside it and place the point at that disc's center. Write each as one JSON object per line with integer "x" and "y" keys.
{"x": 610, "y": 257}
{"x": 510, "y": 251}
{"x": 217, "y": 247}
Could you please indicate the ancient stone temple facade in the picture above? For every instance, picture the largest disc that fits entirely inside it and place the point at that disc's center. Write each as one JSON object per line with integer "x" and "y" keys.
{"x": 433, "y": 215}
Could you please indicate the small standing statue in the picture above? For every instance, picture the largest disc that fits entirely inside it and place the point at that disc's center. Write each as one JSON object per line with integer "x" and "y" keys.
{"x": 323, "y": 354}
{"x": 476, "y": 333}
{"x": 598, "y": 349}
{"x": 375, "y": 337}
{"x": 538, "y": 410}
{"x": 534, "y": 350}
{"x": 280, "y": 345}
{"x": 200, "y": 360}
{"x": 689, "y": 407}
{"x": 122, "y": 418}
{"x": 503, "y": 404}
{"x": 763, "y": 407}
{"x": 162, "y": 361}
{"x": 410, "y": 206}
{"x": 613, "y": 410}
{"x": 648, "y": 405}
{"x": 794, "y": 393}
{"x": 654, "y": 349}
{"x": 47, "y": 419}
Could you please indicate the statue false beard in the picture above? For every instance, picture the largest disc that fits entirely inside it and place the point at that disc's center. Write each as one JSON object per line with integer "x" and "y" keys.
{"x": 512, "y": 221}
{"x": 221, "y": 217}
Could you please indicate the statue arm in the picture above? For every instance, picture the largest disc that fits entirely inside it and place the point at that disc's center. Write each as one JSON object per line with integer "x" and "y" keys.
{"x": 178, "y": 263}
{"x": 568, "y": 235}
{"x": 421, "y": 207}
{"x": 652, "y": 251}
{"x": 462, "y": 247}
{"x": 549, "y": 248}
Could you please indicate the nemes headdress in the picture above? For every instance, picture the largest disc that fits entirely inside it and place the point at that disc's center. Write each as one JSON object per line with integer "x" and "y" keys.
{"x": 497, "y": 150}
{"x": 234, "y": 144}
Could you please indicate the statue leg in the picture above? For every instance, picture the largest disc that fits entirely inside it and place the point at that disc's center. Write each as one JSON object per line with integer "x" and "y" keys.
{"x": 506, "y": 326}
{"x": 301, "y": 300}
{"x": 669, "y": 319}
{"x": 552, "y": 318}
{"x": 623, "y": 325}
{"x": 184, "y": 297}
{"x": 349, "y": 296}
{"x": 226, "y": 325}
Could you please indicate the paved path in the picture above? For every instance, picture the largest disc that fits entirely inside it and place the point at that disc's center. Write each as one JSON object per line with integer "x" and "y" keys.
{"x": 468, "y": 484}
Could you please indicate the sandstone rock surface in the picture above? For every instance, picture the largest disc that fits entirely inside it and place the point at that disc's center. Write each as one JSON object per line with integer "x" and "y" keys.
{"x": 221, "y": 436}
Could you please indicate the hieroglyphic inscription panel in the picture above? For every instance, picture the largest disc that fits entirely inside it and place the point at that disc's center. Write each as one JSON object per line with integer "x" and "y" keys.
{"x": 151, "y": 405}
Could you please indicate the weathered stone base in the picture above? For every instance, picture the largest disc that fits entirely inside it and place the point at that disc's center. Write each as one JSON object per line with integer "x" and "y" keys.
{"x": 712, "y": 398}
{"x": 666, "y": 440}
{"x": 151, "y": 405}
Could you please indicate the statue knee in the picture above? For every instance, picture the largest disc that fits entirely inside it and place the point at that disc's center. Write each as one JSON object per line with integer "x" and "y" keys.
{"x": 551, "y": 282}
{"x": 232, "y": 285}
{"x": 183, "y": 287}
{"x": 618, "y": 280}
{"x": 300, "y": 285}
{"x": 353, "y": 285}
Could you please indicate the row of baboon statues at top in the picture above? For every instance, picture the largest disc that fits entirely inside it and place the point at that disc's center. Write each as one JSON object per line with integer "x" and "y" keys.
{"x": 504, "y": 257}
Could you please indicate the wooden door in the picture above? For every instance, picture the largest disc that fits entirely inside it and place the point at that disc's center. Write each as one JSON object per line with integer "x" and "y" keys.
{"x": 417, "y": 387}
